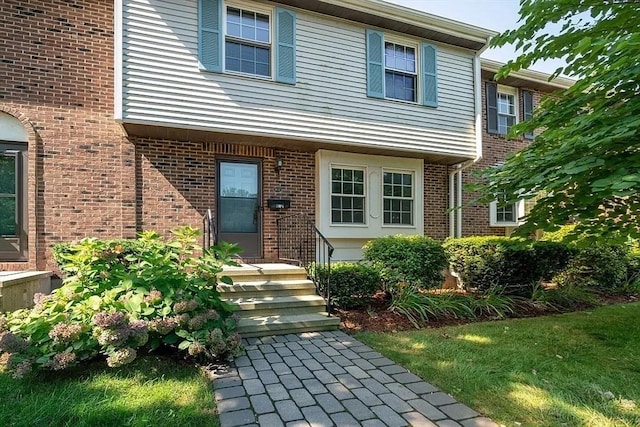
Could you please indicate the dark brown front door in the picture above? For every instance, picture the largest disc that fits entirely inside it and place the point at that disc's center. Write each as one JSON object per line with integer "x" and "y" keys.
{"x": 239, "y": 215}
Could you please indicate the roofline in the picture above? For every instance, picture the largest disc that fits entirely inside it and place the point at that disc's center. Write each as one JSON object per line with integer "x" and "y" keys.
{"x": 420, "y": 18}
{"x": 529, "y": 75}
{"x": 382, "y": 14}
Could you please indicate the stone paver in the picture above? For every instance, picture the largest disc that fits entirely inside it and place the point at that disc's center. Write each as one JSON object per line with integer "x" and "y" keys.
{"x": 325, "y": 379}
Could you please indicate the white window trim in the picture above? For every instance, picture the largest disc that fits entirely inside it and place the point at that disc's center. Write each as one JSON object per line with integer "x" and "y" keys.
{"x": 415, "y": 45}
{"x": 413, "y": 197}
{"x": 493, "y": 213}
{"x": 250, "y": 7}
{"x": 365, "y": 197}
{"x": 508, "y": 90}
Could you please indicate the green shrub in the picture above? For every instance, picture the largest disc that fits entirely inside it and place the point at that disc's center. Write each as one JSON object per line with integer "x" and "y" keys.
{"x": 121, "y": 297}
{"x": 504, "y": 265}
{"x": 352, "y": 284}
{"x": 415, "y": 259}
{"x": 602, "y": 267}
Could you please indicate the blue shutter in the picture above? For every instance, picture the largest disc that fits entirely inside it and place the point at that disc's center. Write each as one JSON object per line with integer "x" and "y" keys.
{"x": 492, "y": 107}
{"x": 527, "y": 103}
{"x": 285, "y": 46}
{"x": 210, "y": 34}
{"x": 429, "y": 75}
{"x": 375, "y": 64}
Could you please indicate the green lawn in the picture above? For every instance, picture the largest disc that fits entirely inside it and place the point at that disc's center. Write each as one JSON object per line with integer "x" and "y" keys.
{"x": 545, "y": 371}
{"x": 152, "y": 391}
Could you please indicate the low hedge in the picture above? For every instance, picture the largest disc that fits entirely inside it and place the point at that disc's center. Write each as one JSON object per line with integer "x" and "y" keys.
{"x": 515, "y": 265}
{"x": 601, "y": 267}
{"x": 416, "y": 259}
{"x": 506, "y": 265}
{"x": 352, "y": 284}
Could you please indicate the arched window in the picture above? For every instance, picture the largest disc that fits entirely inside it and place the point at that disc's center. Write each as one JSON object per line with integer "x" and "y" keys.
{"x": 13, "y": 189}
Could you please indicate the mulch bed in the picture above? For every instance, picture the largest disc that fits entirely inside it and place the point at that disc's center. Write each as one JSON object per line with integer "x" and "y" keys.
{"x": 376, "y": 318}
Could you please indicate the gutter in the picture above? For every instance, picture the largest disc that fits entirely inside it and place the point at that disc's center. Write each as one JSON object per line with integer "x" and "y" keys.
{"x": 455, "y": 198}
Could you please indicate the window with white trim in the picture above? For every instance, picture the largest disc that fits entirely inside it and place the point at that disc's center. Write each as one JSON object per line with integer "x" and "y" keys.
{"x": 506, "y": 111}
{"x": 247, "y": 38}
{"x": 401, "y": 74}
{"x": 506, "y": 215}
{"x": 401, "y": 69}
{"x": 398, "y": 198}
{"x": 347, "y": 195}
{"x": 501, "y": 108}
{"x": 248, "y": 42}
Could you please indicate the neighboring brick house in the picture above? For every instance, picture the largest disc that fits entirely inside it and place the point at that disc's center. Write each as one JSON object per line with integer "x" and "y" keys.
{"x": 142, "y": 114}
{"x": 514, "y": 100}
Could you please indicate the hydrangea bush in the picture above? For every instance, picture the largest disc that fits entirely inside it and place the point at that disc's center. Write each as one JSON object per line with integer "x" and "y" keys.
{"x": 123, "y": 297}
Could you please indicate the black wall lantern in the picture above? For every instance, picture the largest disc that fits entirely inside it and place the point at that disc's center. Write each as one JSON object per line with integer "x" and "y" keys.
{"x": 279, "y": 164}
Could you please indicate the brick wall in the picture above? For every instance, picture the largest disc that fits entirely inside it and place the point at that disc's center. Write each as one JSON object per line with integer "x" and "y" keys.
{"x": 56, "y": 69}
{"x": 176, "y": 184}
{"x": 436, "y": 201}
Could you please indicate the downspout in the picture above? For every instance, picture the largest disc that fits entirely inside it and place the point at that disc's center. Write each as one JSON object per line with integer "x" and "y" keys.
{"x": 455, "y": 198}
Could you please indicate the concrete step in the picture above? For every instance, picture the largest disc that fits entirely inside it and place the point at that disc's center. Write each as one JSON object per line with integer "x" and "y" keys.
{"x": 264, "y": 272}
{"x": 267, "y": 306}
{"x": 257, "y": 326}
{"x": 267, "y": 288}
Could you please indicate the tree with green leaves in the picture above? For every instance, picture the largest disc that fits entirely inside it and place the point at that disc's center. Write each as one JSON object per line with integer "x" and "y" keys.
{"x": 584, "y": 164}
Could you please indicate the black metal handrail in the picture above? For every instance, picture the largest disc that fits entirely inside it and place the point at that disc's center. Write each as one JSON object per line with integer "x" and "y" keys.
{"x": 300, "y": 242}
{"x": 209, "y": 232}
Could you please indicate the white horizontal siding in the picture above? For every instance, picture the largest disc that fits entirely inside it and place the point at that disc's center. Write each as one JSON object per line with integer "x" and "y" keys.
{"x": 163, "y": 84}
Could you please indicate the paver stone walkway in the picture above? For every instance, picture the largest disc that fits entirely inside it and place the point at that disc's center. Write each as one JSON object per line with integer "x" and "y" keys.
{"x": 324, "y": 379}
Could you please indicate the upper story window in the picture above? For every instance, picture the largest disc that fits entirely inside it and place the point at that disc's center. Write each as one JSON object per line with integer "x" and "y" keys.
{"x": 502, "y": 104}
{"x": 401, "y": 76}
{"x": 248, "y": 42}
{"x": 397, "y": 198}
{"x": 347, "y": 195}
{"x": 506, "y": 111}
{"x": 399, "y": 70}
{"x": 253, "y": 40}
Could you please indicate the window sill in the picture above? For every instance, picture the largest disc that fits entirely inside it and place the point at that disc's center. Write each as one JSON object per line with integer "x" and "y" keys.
{"x": 349, "y": 225}
{"x": 245, "y": 76}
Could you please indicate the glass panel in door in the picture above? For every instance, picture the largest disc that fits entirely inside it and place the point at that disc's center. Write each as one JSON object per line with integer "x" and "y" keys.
{"x": 238, "y": 205}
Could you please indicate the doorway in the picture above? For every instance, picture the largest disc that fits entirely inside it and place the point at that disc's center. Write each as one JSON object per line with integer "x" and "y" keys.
{"x": 239, "y": 213}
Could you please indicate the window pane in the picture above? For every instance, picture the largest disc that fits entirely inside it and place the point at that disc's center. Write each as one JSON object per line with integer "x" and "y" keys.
{"x": 406, "y": 219}
{"x": 8, "y": 217}
{"x": 406, "y": 192}
{"x": 388, "y": 190}
{"x": 347, "y": 188}
{"x": 233, "y": 15}
{"x": 8, "y": 174}
{"x": 358, "y": 217}
{"x": 336, "y": 174}
{"x": 336, "y": 187}
{"x": 335, "y": 202}
{"x": 336, "y": 216}
{"x": 233, "y": 30}
{"x": 262, "y": 35}
{"x": 249, "y": 32}
{"x": 347, "y": 174}
{"x": 347, "y": 216}
{"x": 358, "y": 176}
{"x": 358, "y": 203}
{"x": 358, "y": 189}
